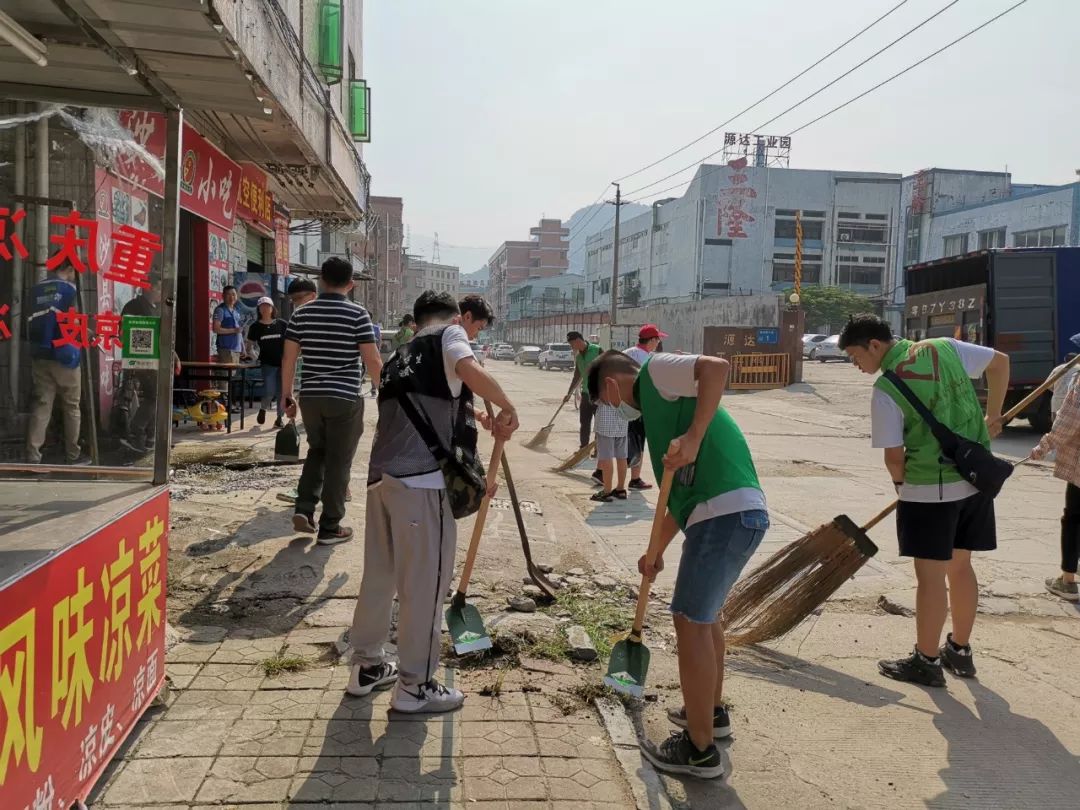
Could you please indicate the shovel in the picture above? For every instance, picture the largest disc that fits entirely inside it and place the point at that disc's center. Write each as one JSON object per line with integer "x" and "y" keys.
{"x": 629, "y": 662}
{"x": 540, "y": 439}
{"x": 466, "y": 627}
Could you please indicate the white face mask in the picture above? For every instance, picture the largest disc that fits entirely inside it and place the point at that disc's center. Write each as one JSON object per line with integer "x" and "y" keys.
{"x": 628, "y": 412}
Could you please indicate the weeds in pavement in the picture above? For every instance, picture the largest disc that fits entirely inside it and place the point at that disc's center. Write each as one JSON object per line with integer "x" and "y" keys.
{"x": 582, "y": 695}
{"x": 603, "y": 616}
{"x": 280, "y": 664}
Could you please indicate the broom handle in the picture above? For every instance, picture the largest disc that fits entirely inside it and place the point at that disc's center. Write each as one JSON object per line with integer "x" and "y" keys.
{"x": 556, "y": 416}
{"x": 481, "y": 516}
{"x": 653, "y": 552}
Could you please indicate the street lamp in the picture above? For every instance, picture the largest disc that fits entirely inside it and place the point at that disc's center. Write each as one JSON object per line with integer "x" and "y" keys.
{"x": 794, "y": 298}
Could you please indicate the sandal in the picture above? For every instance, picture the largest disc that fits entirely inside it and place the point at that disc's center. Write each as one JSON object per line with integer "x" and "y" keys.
{"x": 619, "y": 493}
{"x": 602, "y": 497}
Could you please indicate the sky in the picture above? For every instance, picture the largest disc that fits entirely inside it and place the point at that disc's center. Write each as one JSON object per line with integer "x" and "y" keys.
{"x": 488, "y": 114}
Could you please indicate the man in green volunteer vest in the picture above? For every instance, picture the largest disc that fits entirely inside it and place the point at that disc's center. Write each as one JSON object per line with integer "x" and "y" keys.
{"x": 584, "y": 354}
{"x": 718, "y": 504}
{"x": 941, "y": 518}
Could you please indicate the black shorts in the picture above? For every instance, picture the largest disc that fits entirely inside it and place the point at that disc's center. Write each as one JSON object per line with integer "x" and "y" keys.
{"x": 635, "y": 442}
{"x": 930, "y": 531}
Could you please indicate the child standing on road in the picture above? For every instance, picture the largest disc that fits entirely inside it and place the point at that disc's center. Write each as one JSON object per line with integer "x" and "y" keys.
{"x": 718, "y": 504}
{"x": 611, "y": 434}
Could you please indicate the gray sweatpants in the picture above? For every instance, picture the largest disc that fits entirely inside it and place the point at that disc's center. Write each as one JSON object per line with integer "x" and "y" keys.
{"x": 410, "y": 538}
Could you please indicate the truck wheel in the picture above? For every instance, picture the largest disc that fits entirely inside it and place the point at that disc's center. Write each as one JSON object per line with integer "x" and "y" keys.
{"x": 1041, "y": 419}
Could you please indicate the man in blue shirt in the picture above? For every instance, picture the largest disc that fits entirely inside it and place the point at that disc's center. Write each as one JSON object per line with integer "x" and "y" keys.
{"x": 54, "y": 369}
{"x": 229, "y": 331}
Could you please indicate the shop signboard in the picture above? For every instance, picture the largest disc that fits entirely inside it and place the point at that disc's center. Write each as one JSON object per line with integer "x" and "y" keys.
{"x": 82, "y": 654}
{"x": 281, "y": 243}
{"x": 209, "y": 179}
{"x": 218, "y": 244}
{"x": 255, "y": 204}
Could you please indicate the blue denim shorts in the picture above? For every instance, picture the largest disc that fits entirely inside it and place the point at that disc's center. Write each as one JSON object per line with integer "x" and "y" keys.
{"x": 715, "y": 551}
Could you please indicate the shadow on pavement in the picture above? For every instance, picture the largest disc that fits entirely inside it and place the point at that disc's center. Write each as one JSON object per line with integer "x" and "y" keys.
{"x": 998, "y": 758}
{"x": 787, "y": 670}
{"x": 371, "y": 754}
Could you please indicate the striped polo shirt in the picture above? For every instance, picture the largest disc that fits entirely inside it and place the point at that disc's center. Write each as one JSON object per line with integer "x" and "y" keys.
{"x": 329, "y": 331}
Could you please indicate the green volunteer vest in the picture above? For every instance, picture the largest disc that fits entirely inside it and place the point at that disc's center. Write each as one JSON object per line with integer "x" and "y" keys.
{"x": 583, "y": 361}
{"x": 723, "y": 463}
{"x": 933, "y": 370}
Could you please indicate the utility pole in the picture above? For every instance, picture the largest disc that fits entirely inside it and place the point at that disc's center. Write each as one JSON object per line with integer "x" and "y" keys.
{"x": 615, "y": 258}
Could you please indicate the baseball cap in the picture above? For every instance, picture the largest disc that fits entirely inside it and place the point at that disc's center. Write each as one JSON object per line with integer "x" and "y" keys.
{"x": 650, "y": 331}
{"x": 265, "y": 300}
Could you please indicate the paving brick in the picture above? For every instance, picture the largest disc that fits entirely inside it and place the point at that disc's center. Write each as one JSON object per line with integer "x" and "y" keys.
{"x": 228, "y": 676}
{"x": 544, "y": 711}
{"x": 433, "y": 737}
{"x": 339, "y": 705}
{"x": 183, "y": 738}
{"x": 283, "y": 704}
{"x": 266, "y": 738}
{"x": 248, "y": 779}
{"x": 211, "y": 705}
{"x": 495, "y": 739}
{"x": 150, "y": 781}
{"x": 592, "y": 780}
{"x": 588, "y": 741}
{"x": 510, "y": 706}
{"x": 503, "y": 779}
{"x": 427, "y": 780}
{"x": 247, "y": 650}
{"x": 190, "y": 652}
{"x": 335, "y": 780}
{"x": 315, "y": 677}
{"x": 344, "y": 738}
{"x": 182, "y": 674}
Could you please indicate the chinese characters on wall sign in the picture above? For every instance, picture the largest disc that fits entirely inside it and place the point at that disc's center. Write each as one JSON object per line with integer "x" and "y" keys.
{"x": 733, "y": 201}
{"x": 760, "y": 150}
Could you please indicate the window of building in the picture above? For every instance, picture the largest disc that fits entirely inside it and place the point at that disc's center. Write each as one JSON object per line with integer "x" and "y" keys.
{"x": 605, "y": 286}
{"x": 862, "y": 232}
{"x": 992, "y": 239}
{"x": 858, "y": 274}
{"x": 880, "y": 217}
{"x": 912, "y": 240}
{"x": 811, "y": 229}
{"x": 956, "y": 244}
{"x": 1043, "y": 237}
{"x": 303, "y": 253}
{"x": 785, "y": 272}
{"x": 534, "y": 262}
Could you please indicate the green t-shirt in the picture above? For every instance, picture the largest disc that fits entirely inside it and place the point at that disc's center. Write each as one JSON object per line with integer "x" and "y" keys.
{"x": 584, "y": 360}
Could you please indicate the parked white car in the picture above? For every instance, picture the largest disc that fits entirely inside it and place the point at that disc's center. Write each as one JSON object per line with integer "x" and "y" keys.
{"x": 809, "y": 342}
{"x": 504, "y": 351}
{"x": 556, "y": 355}
{"x": 829, "y": 349}
{"x": 526, "y": 355}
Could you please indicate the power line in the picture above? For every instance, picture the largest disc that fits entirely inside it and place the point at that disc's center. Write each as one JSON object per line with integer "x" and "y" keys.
{"x": 865, "y": 93}
{"x": 763, "y": 99}
{"x": 802, "y": 101}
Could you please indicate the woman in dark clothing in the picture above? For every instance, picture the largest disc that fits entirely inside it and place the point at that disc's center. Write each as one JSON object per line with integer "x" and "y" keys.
{"x": 268, "y": 333}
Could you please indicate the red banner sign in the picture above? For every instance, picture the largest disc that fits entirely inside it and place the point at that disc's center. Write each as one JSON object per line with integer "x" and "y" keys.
{"x": 209, "y": 180}
{"x": 281, "y": 243}
{"x": 82, "y": 653}
{"x": 255, "y": 204}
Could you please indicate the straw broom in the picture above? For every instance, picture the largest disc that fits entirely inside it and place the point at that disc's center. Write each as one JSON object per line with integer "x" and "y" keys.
{"x": 577, "y": 457}
{"x": 540, "y": 439}
{"x": 775, "y": 597}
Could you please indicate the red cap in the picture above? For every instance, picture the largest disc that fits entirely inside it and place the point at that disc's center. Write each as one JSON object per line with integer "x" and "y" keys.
{"x": 650, "y": 331}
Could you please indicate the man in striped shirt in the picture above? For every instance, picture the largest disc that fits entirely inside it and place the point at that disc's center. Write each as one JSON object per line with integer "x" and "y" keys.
{"x": 335, "y": 336}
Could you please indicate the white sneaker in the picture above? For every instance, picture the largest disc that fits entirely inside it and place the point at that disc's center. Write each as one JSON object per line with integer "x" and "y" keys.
{"x": 365, "y": 681}
{"x": 430, "y": 697}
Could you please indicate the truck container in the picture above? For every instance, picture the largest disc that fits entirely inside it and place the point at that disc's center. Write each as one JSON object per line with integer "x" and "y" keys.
{"x": 1023, "y": 302}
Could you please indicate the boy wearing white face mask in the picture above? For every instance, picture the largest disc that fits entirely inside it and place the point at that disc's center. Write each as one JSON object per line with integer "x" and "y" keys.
{"x": 718, "y": 504}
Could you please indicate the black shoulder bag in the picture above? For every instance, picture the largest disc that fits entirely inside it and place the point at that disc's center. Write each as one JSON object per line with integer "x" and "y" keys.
{"x": 979, "y": 467}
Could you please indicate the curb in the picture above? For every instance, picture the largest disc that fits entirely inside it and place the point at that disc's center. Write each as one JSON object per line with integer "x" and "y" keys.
{"x": 645, "y": 783}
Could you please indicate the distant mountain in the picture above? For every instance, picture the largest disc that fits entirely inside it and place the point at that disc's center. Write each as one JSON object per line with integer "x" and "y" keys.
{"x": 483, "y": 275}
{"x": 589, "y": 220}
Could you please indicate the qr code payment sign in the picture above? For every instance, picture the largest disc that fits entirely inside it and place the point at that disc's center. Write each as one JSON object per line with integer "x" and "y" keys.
{"x": 142, "y": 342}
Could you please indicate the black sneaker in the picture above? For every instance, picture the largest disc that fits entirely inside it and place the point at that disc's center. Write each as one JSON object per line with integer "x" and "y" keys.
{"x": 365, "y": 681}
{"x": 278, "y": 424}
{"x": 958, "y": 660}
{"x": 134, "y": 445}
{"x": 721, "y": 721}
{"x": 916, "y": 668}
{"x": 261, "y": 418}
{"x": 677, "y": 754}
{"x": 638, "y": 483}
{"x": 598, "y": 477}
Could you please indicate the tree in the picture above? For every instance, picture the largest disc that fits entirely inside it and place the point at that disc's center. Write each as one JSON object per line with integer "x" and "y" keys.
{"x": 831, "y": 306}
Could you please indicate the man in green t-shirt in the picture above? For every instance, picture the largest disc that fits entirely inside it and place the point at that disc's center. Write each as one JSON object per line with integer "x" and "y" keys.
{"x": 718, "y": 504}
{"x": 941, "y": 518}
{"x": 584, "y": 354}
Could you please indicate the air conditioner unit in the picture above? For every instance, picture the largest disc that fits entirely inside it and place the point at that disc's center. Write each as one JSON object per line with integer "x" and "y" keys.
{"x": 845, "y": 237}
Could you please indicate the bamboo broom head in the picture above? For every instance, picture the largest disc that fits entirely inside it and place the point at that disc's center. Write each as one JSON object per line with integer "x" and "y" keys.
{"x": 779, "y": 594}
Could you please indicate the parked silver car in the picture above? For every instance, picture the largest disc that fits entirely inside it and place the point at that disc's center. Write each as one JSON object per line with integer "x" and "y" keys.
{"x": 527, "y": 355}
{"x": 556, "y": 355}
{"x": 829, "y": 349}
{"x": 809, "y": 342}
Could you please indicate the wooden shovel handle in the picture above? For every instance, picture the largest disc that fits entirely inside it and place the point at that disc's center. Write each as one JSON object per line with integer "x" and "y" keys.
{"x": 1038, "y": 392}
{"x": 481, "y": 517}
{"x": 655, "y": 539}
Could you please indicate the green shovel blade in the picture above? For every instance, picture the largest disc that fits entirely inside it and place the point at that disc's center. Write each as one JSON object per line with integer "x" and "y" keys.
{"x": 467, "y": 629}
{"x": 627, "y": 668}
